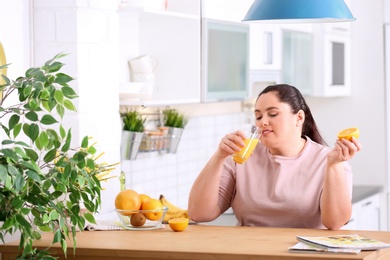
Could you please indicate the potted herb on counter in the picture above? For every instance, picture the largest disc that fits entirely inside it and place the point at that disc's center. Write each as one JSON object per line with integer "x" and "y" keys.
{"x": 175, "y": 121}
{"x": 133, "y": 128}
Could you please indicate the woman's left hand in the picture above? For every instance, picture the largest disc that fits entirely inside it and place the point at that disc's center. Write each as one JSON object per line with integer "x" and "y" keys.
{"x": 343, "y": 150}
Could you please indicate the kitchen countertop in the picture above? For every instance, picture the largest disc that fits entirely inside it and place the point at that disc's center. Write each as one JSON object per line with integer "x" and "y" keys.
{"x": 361, "y": 192}
{"x": 199, "y": 242}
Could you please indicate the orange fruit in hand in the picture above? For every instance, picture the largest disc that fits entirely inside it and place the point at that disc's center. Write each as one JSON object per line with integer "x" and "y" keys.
{"x": 349, "y": 133}
{"x": 156, "y": 206}
{"x": 128, "y": 200}
{"x": 178, "y": 224}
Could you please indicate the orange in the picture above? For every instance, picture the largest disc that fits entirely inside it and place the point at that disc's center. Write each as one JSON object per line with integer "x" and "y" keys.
{"x": 144, "y": 198}
{"x": 349, "y": 133}
{"x": 128, "y": 200}
{"x": 178, "y": 224}
{"x": 154, "y": 205}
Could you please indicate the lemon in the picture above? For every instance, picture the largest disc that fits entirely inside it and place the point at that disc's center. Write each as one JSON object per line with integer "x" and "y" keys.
{"x": 178, "y": 224}
{"x": 349, "y": 133}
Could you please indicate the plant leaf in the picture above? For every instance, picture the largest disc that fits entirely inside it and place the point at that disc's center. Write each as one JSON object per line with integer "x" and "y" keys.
{"x": 5, "y": 130}
{"x": 33, "y": 175}
{"x": 84, "y": 142}
{"x": 61, "y": 187}
{"x": 22, "y": 221}
{"x": 50, "y": 155}
{"x": 64, "y": 246}
{"x": 62, "y": 131}
{"x": 17, "y": 203}
{"x": 32, "y": 116}
{"x": 48, "y": 120}
{"x": 69, "y": 92}
{"x": 62, "y": 78}
{"x": 66, "y": 145}
{"x": 10, "y": 154}
{"x": 43, "y": 139}
{"x": 31, "y": 166}
{"x": 45, "y": 228}
{"x": 69, "y": 105}
{"x": 13, "y": 170}
{"x": 32, "y": 154}
{"x": 19, "y": 182}
{"x": 17, "y": 129}
{"x": 53, "y": 215}
{"x": 3, "y": 173}
{"x": 14, "y": 119}
{"x": 33, "y": 131}
{"x": 45, "y": 218}
{"x": 59, "y": 97}
{"x": 89, "y": 217}
{"x": 57, "y": 236}
{"x": 54, "y": 67}
{"x": 60, "y": 110}
{"x": 5, "y": 142}
{"x": 44, "y": 95}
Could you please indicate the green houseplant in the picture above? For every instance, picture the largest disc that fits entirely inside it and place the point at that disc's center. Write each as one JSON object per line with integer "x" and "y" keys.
{"x": 133, "y": 128}
{"x": 175, "y": 121}
{"x": 174, "y": 118}
{"x": 133, "y": 121}
{"x": 44, "y": 182}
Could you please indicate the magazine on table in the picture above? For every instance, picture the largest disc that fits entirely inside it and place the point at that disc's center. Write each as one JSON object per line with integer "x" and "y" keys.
{"x": 344, "y": 242}
{"x": 302, "y": 247}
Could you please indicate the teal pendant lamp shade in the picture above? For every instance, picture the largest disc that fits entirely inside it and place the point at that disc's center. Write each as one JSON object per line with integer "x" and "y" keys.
{"x": 298, "y": 11}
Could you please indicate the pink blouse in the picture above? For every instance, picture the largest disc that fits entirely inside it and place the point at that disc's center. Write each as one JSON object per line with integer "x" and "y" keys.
{"x": 277, "y": 191}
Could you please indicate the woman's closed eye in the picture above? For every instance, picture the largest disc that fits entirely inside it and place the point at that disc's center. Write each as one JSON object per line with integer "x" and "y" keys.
{"x": 269, "y": 115}
{"x": 273, "y": 114}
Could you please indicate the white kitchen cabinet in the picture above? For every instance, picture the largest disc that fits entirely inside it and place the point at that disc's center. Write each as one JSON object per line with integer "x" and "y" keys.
{"x": 297, "y": 61}
{"x": 173, "y": 37}
{"x": 365, "y": 214}
{"x": 316, "y": 58}
{"x": 332, "y": 61}
{"x": 265, "y": 47}
{"x": 175, "y": 41}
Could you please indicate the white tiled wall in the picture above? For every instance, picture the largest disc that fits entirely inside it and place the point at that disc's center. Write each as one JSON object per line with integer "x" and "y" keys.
{"x": 173, "y": 174}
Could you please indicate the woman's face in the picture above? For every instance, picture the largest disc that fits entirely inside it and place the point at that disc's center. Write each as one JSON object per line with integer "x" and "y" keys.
{"x": 278, "y": 124}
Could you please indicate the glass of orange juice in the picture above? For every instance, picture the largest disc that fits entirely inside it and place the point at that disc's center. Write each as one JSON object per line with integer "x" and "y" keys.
{"x": 252, "y": 134}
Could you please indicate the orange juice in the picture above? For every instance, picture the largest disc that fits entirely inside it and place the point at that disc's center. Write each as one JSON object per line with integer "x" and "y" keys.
{"x": 243, "y": 155}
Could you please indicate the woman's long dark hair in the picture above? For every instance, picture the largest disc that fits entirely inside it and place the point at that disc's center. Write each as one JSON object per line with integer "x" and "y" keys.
{"x": 293, "y": 97}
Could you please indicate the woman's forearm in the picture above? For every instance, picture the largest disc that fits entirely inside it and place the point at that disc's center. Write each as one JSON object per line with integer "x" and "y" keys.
{"x": 203, "y": 198}
{"x": 336, "y": 207}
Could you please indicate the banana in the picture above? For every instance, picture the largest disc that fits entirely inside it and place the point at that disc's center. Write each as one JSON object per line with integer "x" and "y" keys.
{"x": 168, "y": 217}
{"x": 173, "y": 211}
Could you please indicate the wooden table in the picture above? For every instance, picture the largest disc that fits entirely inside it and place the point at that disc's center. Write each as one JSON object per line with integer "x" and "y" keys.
{"x": 199, "y": 242}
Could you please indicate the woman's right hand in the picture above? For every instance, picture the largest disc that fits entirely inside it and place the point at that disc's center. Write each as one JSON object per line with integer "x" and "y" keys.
{"x": 230, "y": 144}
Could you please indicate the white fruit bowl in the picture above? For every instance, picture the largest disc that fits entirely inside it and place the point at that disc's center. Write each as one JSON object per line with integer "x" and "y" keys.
{"x": 154, "y": 218}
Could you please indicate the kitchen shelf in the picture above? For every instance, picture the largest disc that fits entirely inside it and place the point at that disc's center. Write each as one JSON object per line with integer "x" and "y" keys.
{"x": 135, "y": 94}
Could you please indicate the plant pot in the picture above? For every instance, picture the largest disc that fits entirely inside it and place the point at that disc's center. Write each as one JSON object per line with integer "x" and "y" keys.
{"x": 174, "y": 138}
{"x": 130, "y": 143}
